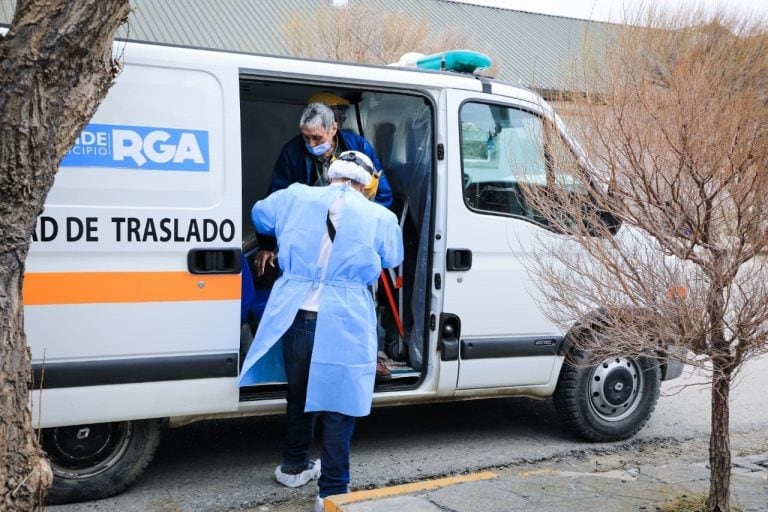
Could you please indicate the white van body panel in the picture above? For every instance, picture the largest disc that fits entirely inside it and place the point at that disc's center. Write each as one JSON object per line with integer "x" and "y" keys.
{"x": 163, "y": 145}
{"x": 121, "y": 402}
{"x": 61, "y": 323}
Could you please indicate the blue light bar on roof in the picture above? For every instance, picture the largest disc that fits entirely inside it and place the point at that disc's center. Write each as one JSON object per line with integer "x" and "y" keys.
{"x": 461, "y": 61}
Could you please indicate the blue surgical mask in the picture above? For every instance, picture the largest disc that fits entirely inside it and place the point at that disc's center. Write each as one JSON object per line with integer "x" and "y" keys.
{"x": 320, "y": 149}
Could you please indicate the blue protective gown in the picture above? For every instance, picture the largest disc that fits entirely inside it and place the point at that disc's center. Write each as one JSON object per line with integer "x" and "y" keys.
{"x": 368, "y": 238}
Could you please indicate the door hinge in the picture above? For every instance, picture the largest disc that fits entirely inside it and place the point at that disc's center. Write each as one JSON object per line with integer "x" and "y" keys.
{"x": 440, "y": 151}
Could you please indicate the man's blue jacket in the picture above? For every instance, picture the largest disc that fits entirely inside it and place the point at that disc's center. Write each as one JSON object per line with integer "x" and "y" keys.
{"x": 294, "y": 165}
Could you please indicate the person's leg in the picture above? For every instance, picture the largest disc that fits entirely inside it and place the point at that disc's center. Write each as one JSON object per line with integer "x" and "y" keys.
{"x": 334, "y": 470}
{"x": 297, "y": 353}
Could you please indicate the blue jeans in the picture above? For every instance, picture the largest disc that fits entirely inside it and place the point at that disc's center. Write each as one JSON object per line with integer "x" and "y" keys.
{"x": 337, "y": 428}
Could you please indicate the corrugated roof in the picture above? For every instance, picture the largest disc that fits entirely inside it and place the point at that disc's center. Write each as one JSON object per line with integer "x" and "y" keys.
{"x": 527, "y": 48}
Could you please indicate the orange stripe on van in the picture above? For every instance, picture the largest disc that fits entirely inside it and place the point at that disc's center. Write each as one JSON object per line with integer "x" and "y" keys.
{"x": 42, "y": 288}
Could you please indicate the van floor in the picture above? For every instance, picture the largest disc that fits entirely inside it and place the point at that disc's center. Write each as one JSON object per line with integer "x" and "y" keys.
{"x": 403, "y": 377}
{"x": 401, "y": 369}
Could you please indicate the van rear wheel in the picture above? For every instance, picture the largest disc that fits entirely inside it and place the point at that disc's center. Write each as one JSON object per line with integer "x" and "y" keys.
{"x": 610, "y": 400}
{"x": 99, "y": 460}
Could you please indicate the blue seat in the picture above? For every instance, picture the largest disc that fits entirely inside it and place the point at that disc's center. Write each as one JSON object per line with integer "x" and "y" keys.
{"x": 252, "y": 300}
{"x": 270, "y": 368}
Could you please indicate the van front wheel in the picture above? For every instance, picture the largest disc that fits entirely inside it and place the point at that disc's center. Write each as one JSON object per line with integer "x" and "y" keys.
{"x": 99, "y": 460}
{"x": 610, "y": 400}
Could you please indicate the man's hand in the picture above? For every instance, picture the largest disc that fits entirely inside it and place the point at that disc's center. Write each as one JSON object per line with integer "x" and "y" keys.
{"x": 263, "y": 258}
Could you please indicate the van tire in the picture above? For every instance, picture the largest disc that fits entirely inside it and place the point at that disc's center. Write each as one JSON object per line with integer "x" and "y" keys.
{"x": 607, "y": 401}
{"x": 96, "y": 461}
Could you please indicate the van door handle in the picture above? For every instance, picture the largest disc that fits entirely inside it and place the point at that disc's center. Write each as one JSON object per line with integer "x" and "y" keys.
{"x": 459, "y": 259}
{"x": 214, "y": 261}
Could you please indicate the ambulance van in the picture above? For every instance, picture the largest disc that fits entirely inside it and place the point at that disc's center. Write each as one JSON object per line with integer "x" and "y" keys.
{"x": 140, "y": 297}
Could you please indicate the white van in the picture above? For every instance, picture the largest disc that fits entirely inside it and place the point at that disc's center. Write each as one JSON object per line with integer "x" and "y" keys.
{"x": 139, "y": 296}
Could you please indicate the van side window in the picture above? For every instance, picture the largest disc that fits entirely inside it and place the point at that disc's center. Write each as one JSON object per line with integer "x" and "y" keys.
{"x": 507, "y": 151}
{"x": 501, "y": 148}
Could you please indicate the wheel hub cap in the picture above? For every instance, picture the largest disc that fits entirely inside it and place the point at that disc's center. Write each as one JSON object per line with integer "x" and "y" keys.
{"x": 618, "y": 386}
{"x": 82, "y": 451}
{"x": 614, "y": 388}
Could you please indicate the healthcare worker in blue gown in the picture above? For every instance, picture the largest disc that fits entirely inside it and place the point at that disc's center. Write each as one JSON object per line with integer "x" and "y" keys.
{"x": 306, "y": 159}
{"x": 333, "y": 242}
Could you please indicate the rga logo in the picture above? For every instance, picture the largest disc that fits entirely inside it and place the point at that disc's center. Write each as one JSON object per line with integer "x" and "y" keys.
{"x": 139, "y": 147}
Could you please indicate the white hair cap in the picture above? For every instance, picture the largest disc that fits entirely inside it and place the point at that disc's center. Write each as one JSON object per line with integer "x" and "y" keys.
{"x": 352, "y": 165}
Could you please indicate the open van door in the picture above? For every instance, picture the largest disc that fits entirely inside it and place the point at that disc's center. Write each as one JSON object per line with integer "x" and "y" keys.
{"x": 505, "y": 340}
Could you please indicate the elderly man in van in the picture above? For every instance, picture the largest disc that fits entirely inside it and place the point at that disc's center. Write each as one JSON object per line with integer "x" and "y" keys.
{"x": 306, "y": 157}
{"x": 333, "y": 243}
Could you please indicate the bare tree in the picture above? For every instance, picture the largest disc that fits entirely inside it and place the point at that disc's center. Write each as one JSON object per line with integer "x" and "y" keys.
{"x": 57, "y": 66}
{"x": 359, "y": 32}
{"x": 674, "y": 125}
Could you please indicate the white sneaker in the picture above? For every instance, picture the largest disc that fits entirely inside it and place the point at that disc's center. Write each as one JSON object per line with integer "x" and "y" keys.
{"x": 311, "y": 473}
{"x": 319, "y": 504}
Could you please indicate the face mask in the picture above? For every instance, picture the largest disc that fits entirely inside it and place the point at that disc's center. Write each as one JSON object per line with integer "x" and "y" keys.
{"x": 320, "y": 149}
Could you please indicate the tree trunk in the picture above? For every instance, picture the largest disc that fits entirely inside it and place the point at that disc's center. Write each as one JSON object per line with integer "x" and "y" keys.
{"x": 56, "y": 67}
{"x": 24, "y": 470}
{"x": 719, "y": 444}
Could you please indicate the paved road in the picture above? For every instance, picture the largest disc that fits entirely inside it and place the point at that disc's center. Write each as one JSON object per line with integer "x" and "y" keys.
{"x": 227, "y": 465}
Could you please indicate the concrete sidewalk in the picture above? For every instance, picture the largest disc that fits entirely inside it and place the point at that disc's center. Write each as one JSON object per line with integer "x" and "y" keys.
{"x": 622, "y": 481}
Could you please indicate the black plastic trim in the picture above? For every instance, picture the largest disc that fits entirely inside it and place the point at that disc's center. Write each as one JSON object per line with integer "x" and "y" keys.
{"x": 458, "y": 259}
{"x": 214, "y": 261}
{"x": 449, "y": 332}
{"x": 132, "y": 371}
{"x": 486, "y": 84}
{"x": 492, "y": 348}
